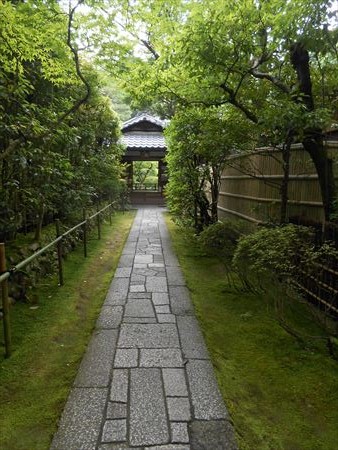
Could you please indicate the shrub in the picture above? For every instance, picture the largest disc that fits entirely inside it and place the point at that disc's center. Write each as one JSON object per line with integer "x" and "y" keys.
{"x": 280, "y": 251}
{"x": 220, "y": 239}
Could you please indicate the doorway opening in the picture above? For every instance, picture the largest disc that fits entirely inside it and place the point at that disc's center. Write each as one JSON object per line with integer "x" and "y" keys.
{"x": 145, "y": 176}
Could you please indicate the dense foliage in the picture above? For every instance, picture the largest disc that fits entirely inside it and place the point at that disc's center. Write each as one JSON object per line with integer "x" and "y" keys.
{"x": 199, "y": 142}
{"x": 274, "y": 63}
{"x": 58, "y": 134}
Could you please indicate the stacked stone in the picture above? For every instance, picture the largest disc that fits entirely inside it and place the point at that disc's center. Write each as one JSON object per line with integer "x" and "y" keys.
{"x": 146, "y": 381}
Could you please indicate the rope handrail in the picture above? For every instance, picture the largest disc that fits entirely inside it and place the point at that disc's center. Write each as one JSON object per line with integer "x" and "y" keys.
{"x": 4, "y": 276}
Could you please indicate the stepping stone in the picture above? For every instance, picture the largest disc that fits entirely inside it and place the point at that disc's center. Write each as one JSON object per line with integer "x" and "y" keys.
{"x": 148, "y": 415}
{"x": 148, "y": 336}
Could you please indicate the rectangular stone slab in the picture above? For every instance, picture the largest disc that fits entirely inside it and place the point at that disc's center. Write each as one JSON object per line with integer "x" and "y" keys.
{"x": 96, "y": 365}
{"x": 110, "y": 317}
{"x": 191, "y": 338}
{"x": 148, "y": 416}
{"x": 118, "y": 292}
{"x": 180, "y": 300}
{"x": 81, "y": 420}
{"x": 207, "y": 401}
{"x": 139, "y": 308}
{"x": 150, "y": 335}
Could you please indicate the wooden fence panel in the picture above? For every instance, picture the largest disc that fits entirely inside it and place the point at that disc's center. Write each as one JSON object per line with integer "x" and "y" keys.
{"x": 250, "y": 185}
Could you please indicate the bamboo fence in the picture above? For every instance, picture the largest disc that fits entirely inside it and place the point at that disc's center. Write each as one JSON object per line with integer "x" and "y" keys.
{"x": 250, "y": 185}
{"x": 250, "y": 190}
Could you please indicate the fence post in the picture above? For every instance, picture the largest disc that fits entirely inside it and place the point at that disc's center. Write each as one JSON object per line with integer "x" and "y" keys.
{"x": 98, "y": 221}
{"x": 5, "y": 303}
{"x": 85, "y": 233}
{"x": 59, "y": 252}
{"x": 110, "y": 212}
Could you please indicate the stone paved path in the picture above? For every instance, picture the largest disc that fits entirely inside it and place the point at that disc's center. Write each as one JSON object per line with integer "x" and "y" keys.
{"x": 146, "y": 381}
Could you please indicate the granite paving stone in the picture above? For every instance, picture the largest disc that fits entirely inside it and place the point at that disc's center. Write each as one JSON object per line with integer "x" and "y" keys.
{"x": 114, "y": 430}
{"x": 206, "y": 398}
{"x": 179, "y": 432}
{"x": 162, "y": 309}
{"x": 110, "y": 317}
{"x": 192, "y": 341}
{"x": 116, "y": 410}
{"x": 174, "y": 383}
{"x": 123, "y": 272}
{"x": 80, "y": 423}
{"x": 180, "y": 300}
{"x": 137, "y": 288}
{"x": 119, "y": 386}
{"x": 156, "y": 284}
{"x": 160, "y": 298}
{"x": 143, "y": 259}
{"x": 137, "y": 279}
{"x": 139, "y": 295}
{"x": 175, "y": 277}
{"x": 158, "y": 259}
{"x": 140, "y": 266}
{"x": 166, "y": 318}
{"x": 148, "y": 336}
{"x": 144, "y": 272}
{"x": 179, "y": 408}
{"x": 139, "y": 308}
{"x": 126, "y": 261}
{"x": 118, "y": 291}
{"x": 161, "y": 357}
{"x": 171, "y": 447}
{"x": 140, "y": 320}
{"x": 126, "y": 357}
{"x": 96, "y": 365}
{"x": 148, "y": 415}
{"x": 118, "y": 446}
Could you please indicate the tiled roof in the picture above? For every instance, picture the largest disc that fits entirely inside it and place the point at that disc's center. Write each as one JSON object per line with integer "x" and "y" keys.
{"x": 143, "y": 140}
{"x": 144, "y": 118}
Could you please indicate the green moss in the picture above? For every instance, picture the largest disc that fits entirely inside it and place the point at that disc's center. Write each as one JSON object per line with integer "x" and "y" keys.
{"x": 281, "y": 394}
{"x": 48, "y": 342}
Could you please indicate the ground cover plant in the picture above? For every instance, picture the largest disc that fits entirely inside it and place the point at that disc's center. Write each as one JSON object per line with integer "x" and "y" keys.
{"x": 49, "y": 341}
{"x": 281, "y": 392}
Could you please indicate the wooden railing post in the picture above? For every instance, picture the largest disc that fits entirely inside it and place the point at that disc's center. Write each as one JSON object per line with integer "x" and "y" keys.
{"x": 59, "y": 252}
{"x": 5, "y": 303}
{"x": 85, "y": 233}
{"x": 98, "y": 221}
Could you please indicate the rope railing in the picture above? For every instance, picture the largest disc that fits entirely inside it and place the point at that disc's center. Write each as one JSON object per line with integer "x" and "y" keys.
{"x": 5, "y": 273}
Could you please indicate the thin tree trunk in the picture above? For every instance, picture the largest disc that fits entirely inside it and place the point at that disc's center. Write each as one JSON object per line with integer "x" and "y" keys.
{"x": 40, "y": 216}
{"x": 285, "y": 182}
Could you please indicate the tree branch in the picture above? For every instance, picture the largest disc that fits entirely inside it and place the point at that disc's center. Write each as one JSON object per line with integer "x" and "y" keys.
{"x": 232, "y": 99}
{"x": 274, "y": 80}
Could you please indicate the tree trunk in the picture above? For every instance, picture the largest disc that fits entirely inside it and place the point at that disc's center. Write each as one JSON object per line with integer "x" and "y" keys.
{"x": 314, "y": 146}
{"x": 313, "y": 140}
{"x": 40, "y": 216}
{"x": 214, "y": 182}
{"x": 285, "y": 182}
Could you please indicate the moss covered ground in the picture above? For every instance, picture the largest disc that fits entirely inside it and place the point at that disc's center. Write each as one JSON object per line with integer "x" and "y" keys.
{"x": 50, "y": 338}
{"x": 281, "y": 393}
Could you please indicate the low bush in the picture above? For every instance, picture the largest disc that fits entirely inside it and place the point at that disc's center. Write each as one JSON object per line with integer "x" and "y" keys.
{"x": 220, "y": 239}
{"x": 280, "y": 251}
